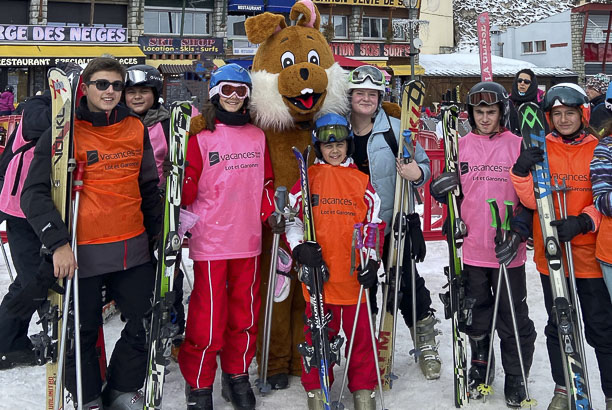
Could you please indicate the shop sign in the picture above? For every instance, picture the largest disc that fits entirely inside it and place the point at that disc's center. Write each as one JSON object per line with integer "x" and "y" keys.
{"x": 209, "y": 46}
{"x": 373, "y": 3}
{"x": 55, "y": 34}
{"x": 370, "y": 49}
{"x": 244, "y": 48}
{"x": 52, "y": 61}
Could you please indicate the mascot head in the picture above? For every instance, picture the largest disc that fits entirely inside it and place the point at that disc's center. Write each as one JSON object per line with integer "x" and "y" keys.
{"x": 295, "y": 78}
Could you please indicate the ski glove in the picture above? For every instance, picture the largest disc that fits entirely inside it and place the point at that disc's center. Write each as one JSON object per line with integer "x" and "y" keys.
{"x": 443, "y": 184}
{"x": 278, "y": 227}
{"x": 26, "y": 299}
{"x": 367, "y": 276}
{"x": 573, "y": 225}
{"x": 506, "y": 251}
{"x": 417, "y": 241}
{"x": 308, "y": 253}
{"x": 528, "y": 158}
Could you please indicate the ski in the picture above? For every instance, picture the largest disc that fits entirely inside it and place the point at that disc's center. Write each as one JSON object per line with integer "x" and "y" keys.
{"x": 161, "y": 329}
{"x": 456, "y": 306}
{"x": 323, "y": 353}
{"x": 413, "y": 94}
{"x": 564, "y": 306}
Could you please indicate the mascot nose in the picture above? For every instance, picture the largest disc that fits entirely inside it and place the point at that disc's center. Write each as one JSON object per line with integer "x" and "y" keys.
{"x": 304, "y": 73}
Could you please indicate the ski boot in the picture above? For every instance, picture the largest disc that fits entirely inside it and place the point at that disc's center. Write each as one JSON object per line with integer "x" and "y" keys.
{"x": 608, "y": 403}
{"x": 198, "y": 399}
{"x": 95, "y": 404}
{"x": 514, "y": 390}
{"x": 24, "y": 357}
{"x": 315, "y": 400}
{"x": 478, "y": 371}
{"x": 236, "y": 389}
{"x": 118, "y": 400}
{"x": 364, "y": 400}
{"x": 279, "y": 381}
{"x": 429, "y": 359}
{"x": 559, "y": 400}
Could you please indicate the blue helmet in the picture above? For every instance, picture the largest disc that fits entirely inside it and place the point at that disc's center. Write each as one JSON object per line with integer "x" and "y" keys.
{"x": 230, "y": 72}
{"x": 332, "y": 128}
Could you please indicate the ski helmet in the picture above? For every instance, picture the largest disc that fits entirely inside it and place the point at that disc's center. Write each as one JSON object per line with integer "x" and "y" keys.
{"x": 332, "y": 128}
{"x": 228, "y": 73}
{"x": 609, "y": 97}
{"x": 143, "y": 75}
{"x": 488, "y": 93}
{"x": 8, "y": 88}
{"x": 370, "y": 78}
{"x": 570, "y": 95}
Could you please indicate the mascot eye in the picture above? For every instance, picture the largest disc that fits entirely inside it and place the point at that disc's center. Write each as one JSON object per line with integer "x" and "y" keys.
{"x": 288, "y": 59}
{"x": 313, "y": 57}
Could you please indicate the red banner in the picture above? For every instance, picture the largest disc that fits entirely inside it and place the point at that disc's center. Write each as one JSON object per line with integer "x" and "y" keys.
{"x": 484, "y": 47}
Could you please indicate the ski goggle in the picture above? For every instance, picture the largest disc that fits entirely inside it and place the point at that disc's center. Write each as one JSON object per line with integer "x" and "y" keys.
{"x": 135, "y": 77}
{"x": 563, "y": 96}
{"x": 362, "y": 73}
{"x": 227, "y": 90}
{"x": 332, "y": 133}
{"x": 102, "y": 85}
{"x": 483, "y": 97}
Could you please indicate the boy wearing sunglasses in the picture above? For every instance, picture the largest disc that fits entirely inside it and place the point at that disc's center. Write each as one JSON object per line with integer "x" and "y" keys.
{"x": 118, "y": 218}
{"x": 341, "y": 197}
{"x": 486, "y": 155}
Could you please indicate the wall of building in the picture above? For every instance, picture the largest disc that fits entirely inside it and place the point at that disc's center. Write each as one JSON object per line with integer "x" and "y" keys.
{"x": 577, "y": 25}
{"x": 438, "y": 35}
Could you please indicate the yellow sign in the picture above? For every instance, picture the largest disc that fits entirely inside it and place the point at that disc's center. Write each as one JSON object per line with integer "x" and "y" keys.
{"x": 375, "y": 3}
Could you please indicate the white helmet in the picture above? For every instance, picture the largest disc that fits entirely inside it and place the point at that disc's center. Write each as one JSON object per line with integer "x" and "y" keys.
{"x": 367, "y": 77}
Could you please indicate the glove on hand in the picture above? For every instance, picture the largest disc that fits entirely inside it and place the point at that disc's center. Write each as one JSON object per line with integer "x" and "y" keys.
{"x": 309, "y": 254}
{"x": 367, "y": 276}
{"x": 568, "y": 228}
{"x": 443, "y": 184}
{"x": 417, "y": 241}
{"x": 166, "y": 168}
{"x": 528, "y": 158}
{"x": 506, "y": 251}
{"x": 278, "y": 227}
{"x": 23, "y": 302}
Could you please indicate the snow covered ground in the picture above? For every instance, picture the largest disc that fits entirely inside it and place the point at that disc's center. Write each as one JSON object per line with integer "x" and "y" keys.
{"x": 23, "y": 388}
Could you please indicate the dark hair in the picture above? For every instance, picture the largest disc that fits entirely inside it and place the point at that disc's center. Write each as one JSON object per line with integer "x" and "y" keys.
{"x": 603, "y": 130}
{"x": 102, "y": 64}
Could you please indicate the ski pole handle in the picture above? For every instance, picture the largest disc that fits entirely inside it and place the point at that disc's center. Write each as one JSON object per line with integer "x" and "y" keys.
{"x": 372, "y": 236}
{"x": 359, "y": 236}
{"x": 407, "y": 134}
{"x": 508, "y": 217}
{"x": 495, "y": 219}
{"x": 77, "y": 178}
{"x": 280, "y": 201}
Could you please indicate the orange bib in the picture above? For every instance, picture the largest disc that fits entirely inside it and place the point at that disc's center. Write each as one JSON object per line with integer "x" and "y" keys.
{"x": 337, "y": 205}
{"x": 571, "y": 162}
{"x": 604, "y": 239}
{"x": 109, "y": 209}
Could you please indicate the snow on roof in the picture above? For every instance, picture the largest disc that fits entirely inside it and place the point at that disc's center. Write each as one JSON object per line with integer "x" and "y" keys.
{"x": 468, "y": 65}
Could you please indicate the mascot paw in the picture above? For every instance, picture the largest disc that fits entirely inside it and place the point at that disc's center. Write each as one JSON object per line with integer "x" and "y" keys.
{"x": 392, "y": 109}
{"x": 197, "y": 124}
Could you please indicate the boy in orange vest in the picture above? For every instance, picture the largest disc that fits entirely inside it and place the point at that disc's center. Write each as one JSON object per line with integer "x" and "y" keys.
{"x": 118, "y": 218}
{"x": 341, "y": 197}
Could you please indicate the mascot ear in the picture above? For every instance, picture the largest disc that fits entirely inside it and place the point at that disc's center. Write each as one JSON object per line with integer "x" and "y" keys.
{"x": 259, "y": 28}
{"x": 306, "y": 14}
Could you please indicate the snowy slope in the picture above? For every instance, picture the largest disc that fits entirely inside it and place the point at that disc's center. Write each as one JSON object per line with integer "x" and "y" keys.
{"x": 23, "y": 388}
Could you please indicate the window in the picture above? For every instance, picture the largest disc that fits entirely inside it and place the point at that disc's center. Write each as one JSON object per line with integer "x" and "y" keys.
{"x": 376, "y": 27}
{"x": 168, "y": 21}
{"x": 235, "y": 26}
{"x": 540, "y": 46}
{"x": 340, "y": 25}
{"x": 527, "y": 47}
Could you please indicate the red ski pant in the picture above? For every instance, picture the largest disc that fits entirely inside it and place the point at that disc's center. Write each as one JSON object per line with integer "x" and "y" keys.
{"x": 222, "y": 319}
{"x": 362, "y": 368}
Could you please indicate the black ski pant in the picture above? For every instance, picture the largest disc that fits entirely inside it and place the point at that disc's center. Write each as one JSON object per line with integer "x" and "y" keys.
{"x": 481, "y": 285}
{"x": 132, "y": 290}
{"x": 25, "y": 252}
{"x": 597, "y": 318}
{"x": 423, "y": 297}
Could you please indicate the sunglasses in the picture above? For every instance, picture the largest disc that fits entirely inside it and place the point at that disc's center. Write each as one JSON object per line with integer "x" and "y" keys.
{"x": 359, "y": 75}
{"x": 483, "y": 97}
{"x": 523, "y": 80}
{"x": 332, "y": 133}
{"x": 102, "y": 85}
{"x": 227, "y": 90}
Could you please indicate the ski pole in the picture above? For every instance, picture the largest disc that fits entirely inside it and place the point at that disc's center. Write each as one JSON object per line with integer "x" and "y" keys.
{"x": 484, "y": 388}
{"x": 6, "y": 261}
{"x": 562, "y": 188}
{"x": 358, "y": 245}
{"x": 280, "y": 201}
{"x": 528, "y": 402}
{"x": 186, "y": 274}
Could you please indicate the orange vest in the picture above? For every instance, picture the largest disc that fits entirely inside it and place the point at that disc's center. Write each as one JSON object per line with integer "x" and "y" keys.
{"x": 571, "y": 162}
{"x": 604, "y": 239}
{"x": 338, "y": 204}
{"x": 109, "y": 209}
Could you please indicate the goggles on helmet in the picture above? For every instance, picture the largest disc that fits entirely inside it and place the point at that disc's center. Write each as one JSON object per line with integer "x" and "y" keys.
{"x": 136, "y": 76}
{"x": 483, "y": 97}
{"x": 562, "y": 95}
{"x": 227, "y": 90}
{"x": 332, "y": 133}
{"x": 360, "y": 74}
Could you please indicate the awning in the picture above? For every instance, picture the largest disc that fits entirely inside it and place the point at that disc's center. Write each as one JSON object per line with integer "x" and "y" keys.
{"x": 245, "y": 6}
{"x": 279, "y": 6}
{"x": 176, "y": 68}
{"x": 157, "y": 63}
{"x": 406, "y": 69}
{"x": 49, "y": 55}
{"x": 348, "y": 62}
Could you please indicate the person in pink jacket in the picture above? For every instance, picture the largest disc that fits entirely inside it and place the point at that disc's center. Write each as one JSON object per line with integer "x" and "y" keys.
{"x": 229, "y": 184}
{"x": 7, "y": 101}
